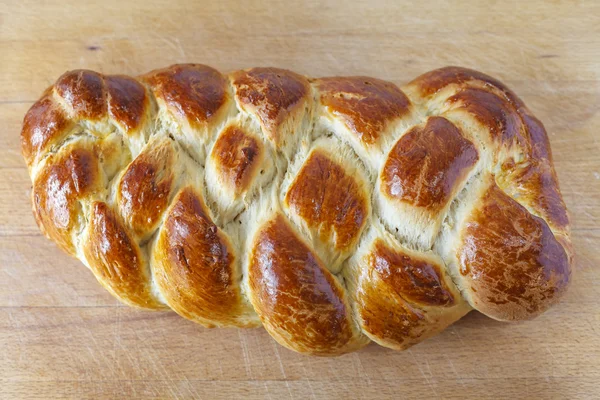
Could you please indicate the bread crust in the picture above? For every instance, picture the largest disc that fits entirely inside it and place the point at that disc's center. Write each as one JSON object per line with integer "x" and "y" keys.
{"x": 332, "y": 211}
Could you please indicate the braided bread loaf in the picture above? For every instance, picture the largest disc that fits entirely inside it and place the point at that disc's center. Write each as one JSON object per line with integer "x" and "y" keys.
{"x": 332, "y": 211}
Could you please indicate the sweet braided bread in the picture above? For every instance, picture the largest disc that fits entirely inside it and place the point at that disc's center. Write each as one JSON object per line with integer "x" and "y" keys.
{"x": 331, "y": 211}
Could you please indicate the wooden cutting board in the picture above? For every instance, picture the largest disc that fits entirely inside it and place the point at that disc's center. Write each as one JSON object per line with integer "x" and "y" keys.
{"x": 62, "y": 336}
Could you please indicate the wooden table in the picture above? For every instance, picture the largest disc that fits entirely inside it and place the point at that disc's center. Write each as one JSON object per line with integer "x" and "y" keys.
{"x": 63, "y": 336}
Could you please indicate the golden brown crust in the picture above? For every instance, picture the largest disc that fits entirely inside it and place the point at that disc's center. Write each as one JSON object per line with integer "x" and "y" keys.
{"x": 426, "y": 164}
{"x": 432, "y": 82}
{"x": 237, "y": 157}
{"x": 497, "y": 114}
{"x": 83, "y": 92}
{"x": 272, "y": 94}
{"x": 145, "y": 187}
{"x": 366, "y": 105}
{"x": 330, "y": 200}
{"x": 116, "y": 259}
{"x": 299, "y": 302}
{"x": 193, "y": 92}
{"x": 470, "y": 177}
{"x": 416, "y": 280}
{"x": 127, "y": 101}
{"x": 67, "y": 178}
{"x": 511, "y": 261}
{"x": 535, "y": 183}
{"x": 402, "y": 298}
{"x": 387, "y": 318}
{"x": 508, "y": 119}
{"x": 195, "y": 266}
{"x": 87, "y": 95}
{"x": 536, "y": 186}
{"x": 44, "y": 125}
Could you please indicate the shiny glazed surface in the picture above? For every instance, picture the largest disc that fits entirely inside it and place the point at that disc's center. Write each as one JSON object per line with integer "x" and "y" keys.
{"x": 252, "y": 199}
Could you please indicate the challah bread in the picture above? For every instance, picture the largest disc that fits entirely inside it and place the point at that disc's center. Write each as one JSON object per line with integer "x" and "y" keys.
{"x": 333, "y": 211}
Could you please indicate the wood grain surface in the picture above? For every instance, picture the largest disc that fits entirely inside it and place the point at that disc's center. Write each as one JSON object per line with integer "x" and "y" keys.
{"x": 63, "y": 336}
